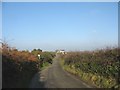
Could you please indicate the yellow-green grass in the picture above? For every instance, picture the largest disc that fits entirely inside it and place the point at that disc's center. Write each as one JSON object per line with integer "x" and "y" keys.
{"x": 97, "y": 80}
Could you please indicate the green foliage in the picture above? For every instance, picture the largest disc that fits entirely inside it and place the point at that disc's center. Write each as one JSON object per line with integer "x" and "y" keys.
{"x": 36, "y": 52}
{"x": 18, "y": 67}
{"x": 102, "y": 63}
{"x": 47, "y": 56}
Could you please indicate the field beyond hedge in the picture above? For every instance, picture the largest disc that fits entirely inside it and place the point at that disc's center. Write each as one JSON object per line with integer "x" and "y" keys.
{"x": 98, "y": 67}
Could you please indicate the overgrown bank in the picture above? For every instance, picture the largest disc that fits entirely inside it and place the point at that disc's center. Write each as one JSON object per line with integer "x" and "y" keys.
{"x": 18, "y": 67}
{"x": 99, "y": 67}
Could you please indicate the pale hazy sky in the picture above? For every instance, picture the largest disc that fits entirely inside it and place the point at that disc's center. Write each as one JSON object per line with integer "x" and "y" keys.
{"x": 69, "y": 26}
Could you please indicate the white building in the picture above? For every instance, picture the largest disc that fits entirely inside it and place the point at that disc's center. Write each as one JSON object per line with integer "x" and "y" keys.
{"x": 61, "y": 51}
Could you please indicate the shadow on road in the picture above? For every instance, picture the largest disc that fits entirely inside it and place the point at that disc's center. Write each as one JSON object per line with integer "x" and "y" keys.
{"x": 55, "y": 77}
{"x": 37, "y": 81}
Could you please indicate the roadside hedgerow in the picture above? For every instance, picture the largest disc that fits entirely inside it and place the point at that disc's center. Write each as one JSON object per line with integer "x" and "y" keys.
{"x": 101, "y": 67}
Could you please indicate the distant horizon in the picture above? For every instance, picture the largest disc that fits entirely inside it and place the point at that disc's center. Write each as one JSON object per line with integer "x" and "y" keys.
{"x": 103, "y": 48}
{"x": 53, "y": 26}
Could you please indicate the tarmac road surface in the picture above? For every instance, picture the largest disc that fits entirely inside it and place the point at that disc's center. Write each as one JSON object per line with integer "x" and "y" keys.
{"x": 55, "y": 77}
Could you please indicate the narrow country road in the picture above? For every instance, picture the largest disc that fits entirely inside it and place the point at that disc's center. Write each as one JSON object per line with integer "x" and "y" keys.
{"x": 55, "y": 77}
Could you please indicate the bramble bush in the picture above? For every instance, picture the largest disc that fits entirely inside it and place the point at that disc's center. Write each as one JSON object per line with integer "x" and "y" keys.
{"x": 47, "y": 56}
{"x": 18, "y": 67}
{"x": 102, "y": 63}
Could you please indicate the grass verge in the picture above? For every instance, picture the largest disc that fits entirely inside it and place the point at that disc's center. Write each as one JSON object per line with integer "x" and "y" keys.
{"x": 95, "y": 79}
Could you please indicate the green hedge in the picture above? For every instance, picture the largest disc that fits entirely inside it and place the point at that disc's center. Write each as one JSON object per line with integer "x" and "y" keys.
{"x": 18, "y": 67}
{"x": 103, "y": 63}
